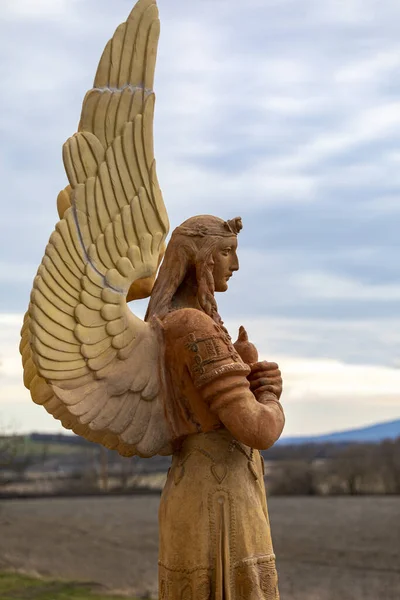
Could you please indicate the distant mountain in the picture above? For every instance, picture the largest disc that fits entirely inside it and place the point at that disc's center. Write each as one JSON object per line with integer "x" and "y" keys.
{"x": 373, "y": 434}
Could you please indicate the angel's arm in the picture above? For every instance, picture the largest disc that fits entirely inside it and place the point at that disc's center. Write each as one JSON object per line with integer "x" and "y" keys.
{"x": 220, "y": 375}
{"x": 257, "y": 424}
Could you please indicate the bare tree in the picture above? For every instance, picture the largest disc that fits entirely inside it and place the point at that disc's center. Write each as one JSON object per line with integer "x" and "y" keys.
{"x": 16, "y": 456}
{"x": 8, "y": 452}
{"x": 353, "y": 465}
{"x": 387, "y": 464}
{"x": 295, "y": 477}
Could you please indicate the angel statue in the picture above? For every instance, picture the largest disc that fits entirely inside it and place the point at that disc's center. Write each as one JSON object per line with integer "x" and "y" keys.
{"x": 173, "y": 384}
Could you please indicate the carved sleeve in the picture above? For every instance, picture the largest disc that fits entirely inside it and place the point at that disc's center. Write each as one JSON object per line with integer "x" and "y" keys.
{"x": 211, "y": 355}
{"x": 220, "y": 375}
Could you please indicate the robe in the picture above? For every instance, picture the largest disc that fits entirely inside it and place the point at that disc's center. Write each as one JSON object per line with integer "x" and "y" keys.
{"x": 215, "y": 538}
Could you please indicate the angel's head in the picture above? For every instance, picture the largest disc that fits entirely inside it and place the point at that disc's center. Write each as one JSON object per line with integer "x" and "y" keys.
{"x": 199, "y": 261}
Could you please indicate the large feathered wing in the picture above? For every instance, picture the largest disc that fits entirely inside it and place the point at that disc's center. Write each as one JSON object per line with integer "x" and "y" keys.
{"x": 87, "y": 359}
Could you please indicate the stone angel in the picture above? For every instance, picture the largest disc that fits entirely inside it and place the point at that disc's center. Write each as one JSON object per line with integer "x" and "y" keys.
{"x": 173, "y": 384}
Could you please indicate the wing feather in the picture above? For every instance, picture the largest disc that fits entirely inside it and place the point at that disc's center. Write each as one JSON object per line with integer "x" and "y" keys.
{"x": 126, "y": 414}
{"x": 105, "y": 358}
{"x": 87, "y": 359}
{"x": 68, "y": 245}
{"x": 57, "y": 276}
{"x": 91, "y": 335}
{"x": 134, "y": 432}
{"x": 93, "y": 302}
{"x": 152, "y": 441}
{"x": 100, "y": 117}
{"x": 91, "y": 288}
{"x": 51, "y": 353}
{"x": 51, "y": 297}
{"x": 92, "y": 351}
{"x": 108, "y": 192}
{"x": 40, "y": 391}
{"x": 49, "y": 340}
{"x": 55, "y": 288}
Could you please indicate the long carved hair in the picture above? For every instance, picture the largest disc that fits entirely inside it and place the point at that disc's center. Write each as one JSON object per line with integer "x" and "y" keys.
{"x": 189, "y": 255}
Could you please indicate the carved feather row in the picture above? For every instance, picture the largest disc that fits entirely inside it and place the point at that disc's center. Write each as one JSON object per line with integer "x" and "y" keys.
{"x": 87, "y": 359}
{"x": 125, "y": 75}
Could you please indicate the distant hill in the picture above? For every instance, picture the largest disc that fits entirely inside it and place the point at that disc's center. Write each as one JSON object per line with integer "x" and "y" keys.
{"x": 373, "y": 434}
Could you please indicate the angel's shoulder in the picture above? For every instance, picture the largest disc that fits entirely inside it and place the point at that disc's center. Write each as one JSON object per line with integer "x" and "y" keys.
{"x": 189, "y": 322}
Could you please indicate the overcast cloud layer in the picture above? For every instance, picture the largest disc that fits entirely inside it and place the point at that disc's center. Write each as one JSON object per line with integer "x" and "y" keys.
{"x": 286, "y": 112}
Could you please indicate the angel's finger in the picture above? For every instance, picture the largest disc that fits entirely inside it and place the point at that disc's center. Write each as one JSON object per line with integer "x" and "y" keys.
{"x": 264, "y": 366}
{"x": 265, "y": 381}
{"x": 263, "y": 375}
{"x": 268, "y": 388}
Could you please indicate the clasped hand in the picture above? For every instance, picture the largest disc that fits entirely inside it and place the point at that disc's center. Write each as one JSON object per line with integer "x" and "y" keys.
{"x": 265, "y": 377}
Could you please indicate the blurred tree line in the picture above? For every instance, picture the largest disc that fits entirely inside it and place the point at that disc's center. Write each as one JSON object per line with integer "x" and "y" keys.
{"x": 329, "y": 469}
{"x": 63, "y": 465}
{"x": 16, "y": 457}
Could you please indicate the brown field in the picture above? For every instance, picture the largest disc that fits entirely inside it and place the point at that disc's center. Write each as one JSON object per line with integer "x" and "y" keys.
{"x": 327, "y": 548}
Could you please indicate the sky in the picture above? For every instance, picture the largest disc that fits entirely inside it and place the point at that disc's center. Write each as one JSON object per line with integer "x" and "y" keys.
{"x": 286, "y": 112}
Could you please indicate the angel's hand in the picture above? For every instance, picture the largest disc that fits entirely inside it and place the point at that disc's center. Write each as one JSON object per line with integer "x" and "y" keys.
{"x": 246, "y": 350}
{"x": 265, "y": 377}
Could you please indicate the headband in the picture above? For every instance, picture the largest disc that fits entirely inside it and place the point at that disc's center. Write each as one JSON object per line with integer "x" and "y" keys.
{"x": 230, "y": 228}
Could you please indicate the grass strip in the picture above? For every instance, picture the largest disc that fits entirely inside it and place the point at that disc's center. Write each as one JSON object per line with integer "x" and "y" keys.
{"x": 14, "y": 586}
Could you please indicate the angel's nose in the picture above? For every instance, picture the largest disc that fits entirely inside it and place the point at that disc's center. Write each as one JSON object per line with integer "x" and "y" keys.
{"x": 234, "y": 266}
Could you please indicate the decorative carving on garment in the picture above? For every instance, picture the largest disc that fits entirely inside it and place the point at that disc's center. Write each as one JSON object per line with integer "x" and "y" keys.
{"x": 263, "y": 464}
{"x": 256, "y": 579}
{"x": 252, "y": 470}
{"x": 208, "y": 354}
{"x": 252, "y": 578}
{"x": 179, "y": 472}
{"x": 184, "y": 584}
{"x": 249, "y": 455}
{"x": 219, "y": 469}
{"x": 222, "y": 518}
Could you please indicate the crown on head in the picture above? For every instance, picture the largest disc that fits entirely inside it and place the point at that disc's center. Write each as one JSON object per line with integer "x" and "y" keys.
{"x": 231, "y": 227}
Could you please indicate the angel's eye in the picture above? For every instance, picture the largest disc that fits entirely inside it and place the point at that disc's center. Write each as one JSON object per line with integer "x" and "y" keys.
{"x": 226, "y": 251}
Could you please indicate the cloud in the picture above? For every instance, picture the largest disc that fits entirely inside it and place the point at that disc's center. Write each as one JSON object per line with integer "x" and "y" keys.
{"x": 36, "y": 9}
{"x": 323, "y": 396}
{"x": 370, "y": 69}
{"x": 367, "y": 341}
{"x": 315, "y": 285}
{"x": 283, "y": 111}
{"x": 335, "y": 380}
{"x": 10, "y": 363}
{"x": 345, "y": 12}
{"x": 372, "y": 124}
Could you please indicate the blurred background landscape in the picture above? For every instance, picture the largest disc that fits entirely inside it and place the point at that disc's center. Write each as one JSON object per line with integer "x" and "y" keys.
{"x": 71, "y": 510}
{"x": 355, "y": 462}
{"x": 286, "y": 113}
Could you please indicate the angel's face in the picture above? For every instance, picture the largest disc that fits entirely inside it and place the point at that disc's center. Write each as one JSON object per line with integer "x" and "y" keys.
{"x": 225, "y": 262}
